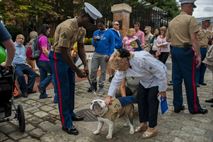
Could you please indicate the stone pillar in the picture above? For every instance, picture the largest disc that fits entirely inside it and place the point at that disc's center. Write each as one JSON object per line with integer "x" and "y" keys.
{"x": 121, "y": 12}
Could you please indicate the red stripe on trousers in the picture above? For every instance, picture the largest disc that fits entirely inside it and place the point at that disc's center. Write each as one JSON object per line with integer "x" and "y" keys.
{"x": 59, "y": 89}
{"x": 194, "y": 86}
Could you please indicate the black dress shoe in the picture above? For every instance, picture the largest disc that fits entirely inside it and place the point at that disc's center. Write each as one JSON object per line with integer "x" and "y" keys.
{"x": 204, "y": 84}
{"x": 71, "y": 131}
{"x": 200, "y": 111}
{"x": 177, "y": 110}
{"x": 77, "y": 118}
{"x": 209, "y": 101}
{"x": 211, "y": 105}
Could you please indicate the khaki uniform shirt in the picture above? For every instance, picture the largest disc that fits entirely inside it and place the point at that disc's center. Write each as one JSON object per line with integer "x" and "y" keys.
{"x": 181, "y": 28}
{"x": 203, "y": 37}
{"x": 209, "y": 58}
{"x": 66, "y": 34}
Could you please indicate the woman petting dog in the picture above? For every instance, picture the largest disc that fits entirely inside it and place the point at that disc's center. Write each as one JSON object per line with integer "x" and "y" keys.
{"x": 153, "y": 82}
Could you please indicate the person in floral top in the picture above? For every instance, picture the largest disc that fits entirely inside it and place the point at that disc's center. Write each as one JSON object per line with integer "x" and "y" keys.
{"x": 131, "y": 42}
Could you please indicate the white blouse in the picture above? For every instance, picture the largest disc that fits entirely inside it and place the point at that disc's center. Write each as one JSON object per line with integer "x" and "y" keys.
{"x": 144, "y": 66}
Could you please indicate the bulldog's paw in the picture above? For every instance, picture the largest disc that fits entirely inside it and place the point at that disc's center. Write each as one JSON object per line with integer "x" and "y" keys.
{"x": 96, "y": 132}
{"x": 126, "y": 124}
{"x": 132, "y": 131}
{"x": 109, "y": 137}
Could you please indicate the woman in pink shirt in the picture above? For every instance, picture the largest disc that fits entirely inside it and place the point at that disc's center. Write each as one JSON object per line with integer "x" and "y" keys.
{"x": 131, "y": 42}
{"x": 163, "y": 46}
{"x": 43, "y": 61}
{"x": 139, "y": 34}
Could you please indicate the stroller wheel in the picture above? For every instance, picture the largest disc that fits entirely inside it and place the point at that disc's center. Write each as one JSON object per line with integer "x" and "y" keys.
{"x": 21, "y": 118}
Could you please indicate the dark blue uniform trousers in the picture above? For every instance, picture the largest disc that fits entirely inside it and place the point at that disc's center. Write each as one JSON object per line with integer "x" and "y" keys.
{"x": 200, "y": 72}
{"x": 64, "y": 83}
{"x": 183, "y": 68}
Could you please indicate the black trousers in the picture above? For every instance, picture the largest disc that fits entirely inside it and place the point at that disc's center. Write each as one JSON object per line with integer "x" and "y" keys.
{"x": 163, "y": 57}
{"x": 148, "y": 105}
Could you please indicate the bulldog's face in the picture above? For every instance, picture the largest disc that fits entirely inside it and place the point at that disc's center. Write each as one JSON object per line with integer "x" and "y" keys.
{"x": 98, "y": 107}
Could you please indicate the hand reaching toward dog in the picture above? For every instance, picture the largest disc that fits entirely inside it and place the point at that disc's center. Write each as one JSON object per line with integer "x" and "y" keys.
{"x": 108, "y": 100}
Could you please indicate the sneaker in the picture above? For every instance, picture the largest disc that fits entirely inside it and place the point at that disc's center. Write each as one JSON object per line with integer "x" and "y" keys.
{"x": 90, "y": 89}
{"x": 93, "y": 87}
{"x": 100, "y": 91}
{"x": 44, "y": 96}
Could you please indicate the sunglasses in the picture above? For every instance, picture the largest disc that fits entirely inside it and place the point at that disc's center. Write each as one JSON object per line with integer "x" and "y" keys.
{"x": 116, "y": 24}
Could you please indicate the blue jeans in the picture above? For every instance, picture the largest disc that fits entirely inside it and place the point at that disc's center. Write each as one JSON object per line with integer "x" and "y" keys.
{"x": 200, "y": 71}
{"x": 20, "y": 70}
{"x": 45, "y": 75}
{"x": 64, "y": 84}
{"x": 127, "y": 100}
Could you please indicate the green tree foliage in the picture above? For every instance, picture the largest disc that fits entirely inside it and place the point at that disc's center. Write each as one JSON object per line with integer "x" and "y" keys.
{"x": 27, "y": 15}
{"x": 170, "y": 6}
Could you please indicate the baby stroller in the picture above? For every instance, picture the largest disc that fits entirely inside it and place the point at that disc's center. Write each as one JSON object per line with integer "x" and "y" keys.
{"x": 8, "y": 110}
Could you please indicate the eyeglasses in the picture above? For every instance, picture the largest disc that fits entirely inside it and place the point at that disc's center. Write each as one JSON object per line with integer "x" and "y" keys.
{"x": 116, "y": 24}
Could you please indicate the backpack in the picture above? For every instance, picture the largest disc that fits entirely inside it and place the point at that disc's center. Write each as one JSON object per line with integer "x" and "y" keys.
{"x": 33, "y": 50}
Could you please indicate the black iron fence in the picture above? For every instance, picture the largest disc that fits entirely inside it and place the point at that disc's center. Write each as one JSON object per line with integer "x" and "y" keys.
{"x": 149, "y": 16}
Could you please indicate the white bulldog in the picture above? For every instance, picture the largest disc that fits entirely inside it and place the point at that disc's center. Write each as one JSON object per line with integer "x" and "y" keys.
{"x": 107, "y": 114}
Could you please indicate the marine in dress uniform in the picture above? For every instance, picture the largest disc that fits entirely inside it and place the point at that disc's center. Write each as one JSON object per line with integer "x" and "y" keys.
{"x": 63, "y": 67}
{"x": 203, "y": 36}
{"x": 182, "y": 33}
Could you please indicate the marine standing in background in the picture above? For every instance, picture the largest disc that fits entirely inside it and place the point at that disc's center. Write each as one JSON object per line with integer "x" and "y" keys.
{"x": 203, "y": 36}
{"x": 185, "y": 51}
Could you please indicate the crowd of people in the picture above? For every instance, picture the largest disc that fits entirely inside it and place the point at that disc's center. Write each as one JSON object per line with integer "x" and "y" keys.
{"x": 136, "y": 63}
